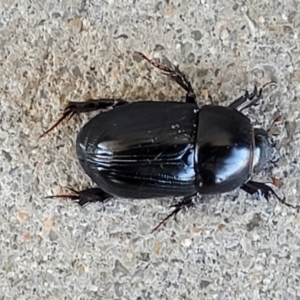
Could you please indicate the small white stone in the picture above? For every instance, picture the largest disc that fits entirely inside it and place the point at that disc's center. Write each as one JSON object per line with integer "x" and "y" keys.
{"x": 186, "y": 243}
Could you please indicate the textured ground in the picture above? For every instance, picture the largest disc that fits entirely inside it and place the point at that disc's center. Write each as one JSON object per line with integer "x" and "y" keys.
{"x": 72, "y": 50}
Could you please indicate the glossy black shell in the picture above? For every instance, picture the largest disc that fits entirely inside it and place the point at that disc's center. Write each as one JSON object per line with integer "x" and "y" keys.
{"x": 158, "y": 149}
{"x": 141, "y": 150}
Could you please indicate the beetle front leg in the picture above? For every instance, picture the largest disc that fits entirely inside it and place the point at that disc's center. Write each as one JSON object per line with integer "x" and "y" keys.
{"x": 90, "y": 105}
{"x": 254, "y": 97}
{"x": 85, "y": 196}
{"x": 254, "y": 187}
{"x": 175, "y": 74}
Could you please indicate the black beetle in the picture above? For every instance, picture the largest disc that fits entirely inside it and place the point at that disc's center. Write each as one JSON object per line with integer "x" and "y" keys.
{"x": 153, "y": 149}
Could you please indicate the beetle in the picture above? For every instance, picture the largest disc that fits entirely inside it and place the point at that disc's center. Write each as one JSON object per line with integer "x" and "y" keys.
{"x": 150, "y": 149}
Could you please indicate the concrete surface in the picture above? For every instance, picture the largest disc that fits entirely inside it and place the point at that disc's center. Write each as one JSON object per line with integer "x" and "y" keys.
{"x": 52, "y": 52}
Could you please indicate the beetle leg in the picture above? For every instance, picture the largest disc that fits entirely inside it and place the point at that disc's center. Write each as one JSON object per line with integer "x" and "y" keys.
{"x": 253, "y": 187}
{"x": 254, "y": 97}
{"x": 185, "y": 203}
{"x": 175, "y": 74}
{"x": 85, "y": 196}
{"x": 239, "y": 101}
{"x": 74, "y": 108}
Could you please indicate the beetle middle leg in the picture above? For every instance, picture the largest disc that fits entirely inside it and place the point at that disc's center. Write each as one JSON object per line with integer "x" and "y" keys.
{"x": 185, "y": 203}
{"x": 254, "y": 187}
{"x": 90, "y": 105}
{"x": 175, "y": 74}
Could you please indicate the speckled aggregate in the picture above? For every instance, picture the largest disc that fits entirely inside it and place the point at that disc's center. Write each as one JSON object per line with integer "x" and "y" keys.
{"x": 52, "y": 52}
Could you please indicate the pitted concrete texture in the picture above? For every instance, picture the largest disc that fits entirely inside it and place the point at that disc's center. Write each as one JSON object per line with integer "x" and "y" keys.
{"x": 52, "y": 52}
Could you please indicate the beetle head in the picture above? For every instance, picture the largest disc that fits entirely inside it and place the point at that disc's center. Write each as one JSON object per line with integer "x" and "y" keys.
{"x": 264, "y": 149}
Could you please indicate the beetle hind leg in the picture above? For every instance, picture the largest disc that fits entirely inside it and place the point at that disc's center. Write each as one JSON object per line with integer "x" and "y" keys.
{"x": 85, "y": 196}
{"x": 175, "y": 74}
{"x": 185, "y": 203}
